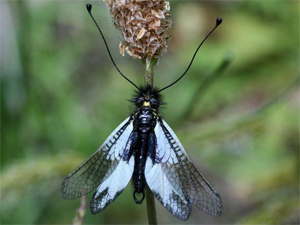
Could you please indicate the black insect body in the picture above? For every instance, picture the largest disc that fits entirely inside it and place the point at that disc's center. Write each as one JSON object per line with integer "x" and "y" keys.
{"x": 144, "y": 149}
{"x": 144, "y": 121}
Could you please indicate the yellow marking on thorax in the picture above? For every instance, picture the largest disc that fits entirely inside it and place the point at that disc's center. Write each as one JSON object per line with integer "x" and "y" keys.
{"x": 146, "y": 103}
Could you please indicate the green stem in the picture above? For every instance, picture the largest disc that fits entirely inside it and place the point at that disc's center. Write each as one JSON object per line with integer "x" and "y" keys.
{"x": 149, "y": 73}
{"x": 151, "y": 212}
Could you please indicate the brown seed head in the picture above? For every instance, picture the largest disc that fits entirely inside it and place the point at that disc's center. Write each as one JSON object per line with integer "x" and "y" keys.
{"x": 144, "y": 25}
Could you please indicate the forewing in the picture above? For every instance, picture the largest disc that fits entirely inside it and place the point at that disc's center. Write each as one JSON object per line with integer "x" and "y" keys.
{"x": 183, "y": 175}
{"x": 99, "y": 166}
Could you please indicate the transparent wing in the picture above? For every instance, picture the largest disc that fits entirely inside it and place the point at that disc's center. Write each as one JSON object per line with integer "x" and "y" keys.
{"x": 100, "y": 165}
{"x": 182, "y": 174}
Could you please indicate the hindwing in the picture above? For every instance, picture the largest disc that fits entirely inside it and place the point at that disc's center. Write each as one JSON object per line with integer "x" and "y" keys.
{"x": 180, "y": 182}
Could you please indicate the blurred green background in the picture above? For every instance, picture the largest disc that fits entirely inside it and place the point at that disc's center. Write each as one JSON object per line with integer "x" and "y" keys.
{"x": 61, "y": 97}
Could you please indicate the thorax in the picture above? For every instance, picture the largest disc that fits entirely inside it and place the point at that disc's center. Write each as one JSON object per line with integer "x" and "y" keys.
{"x": 145, "y": 120}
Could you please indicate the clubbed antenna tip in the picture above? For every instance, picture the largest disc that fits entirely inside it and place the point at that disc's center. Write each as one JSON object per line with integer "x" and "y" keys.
{"x": 89, "y": 7}
{"x": 219, "y": 20}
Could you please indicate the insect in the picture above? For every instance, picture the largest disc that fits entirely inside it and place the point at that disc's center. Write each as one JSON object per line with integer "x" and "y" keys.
{"x": 144, "y": 149}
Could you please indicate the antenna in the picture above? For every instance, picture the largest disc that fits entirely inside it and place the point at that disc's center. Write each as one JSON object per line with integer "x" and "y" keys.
{"x": 89, "y": 9}
{"x": 218, "y": 22}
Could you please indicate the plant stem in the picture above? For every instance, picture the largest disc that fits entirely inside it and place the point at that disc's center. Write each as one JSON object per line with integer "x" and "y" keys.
{"x": 151, "y": 212}
{"x": 149, "y": 74}
{"x": 80, "y": 212}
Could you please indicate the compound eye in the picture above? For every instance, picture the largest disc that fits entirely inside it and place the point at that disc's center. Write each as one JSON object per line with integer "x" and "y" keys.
{"x": 139, "y": 101}
{"x": 154, "y": 103}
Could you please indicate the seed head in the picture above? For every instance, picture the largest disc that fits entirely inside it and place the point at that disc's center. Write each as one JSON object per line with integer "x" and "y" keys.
{"x": 144, "y": 25}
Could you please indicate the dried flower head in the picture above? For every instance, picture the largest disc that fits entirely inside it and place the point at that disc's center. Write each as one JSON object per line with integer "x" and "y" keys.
{"x": 144, "y": 25}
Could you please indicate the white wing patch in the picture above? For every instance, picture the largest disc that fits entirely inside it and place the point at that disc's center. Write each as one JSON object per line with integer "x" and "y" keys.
{"x": 113, "y": 186}
{"x": 172, "y": 199}
{"x": 163, "y": 150}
